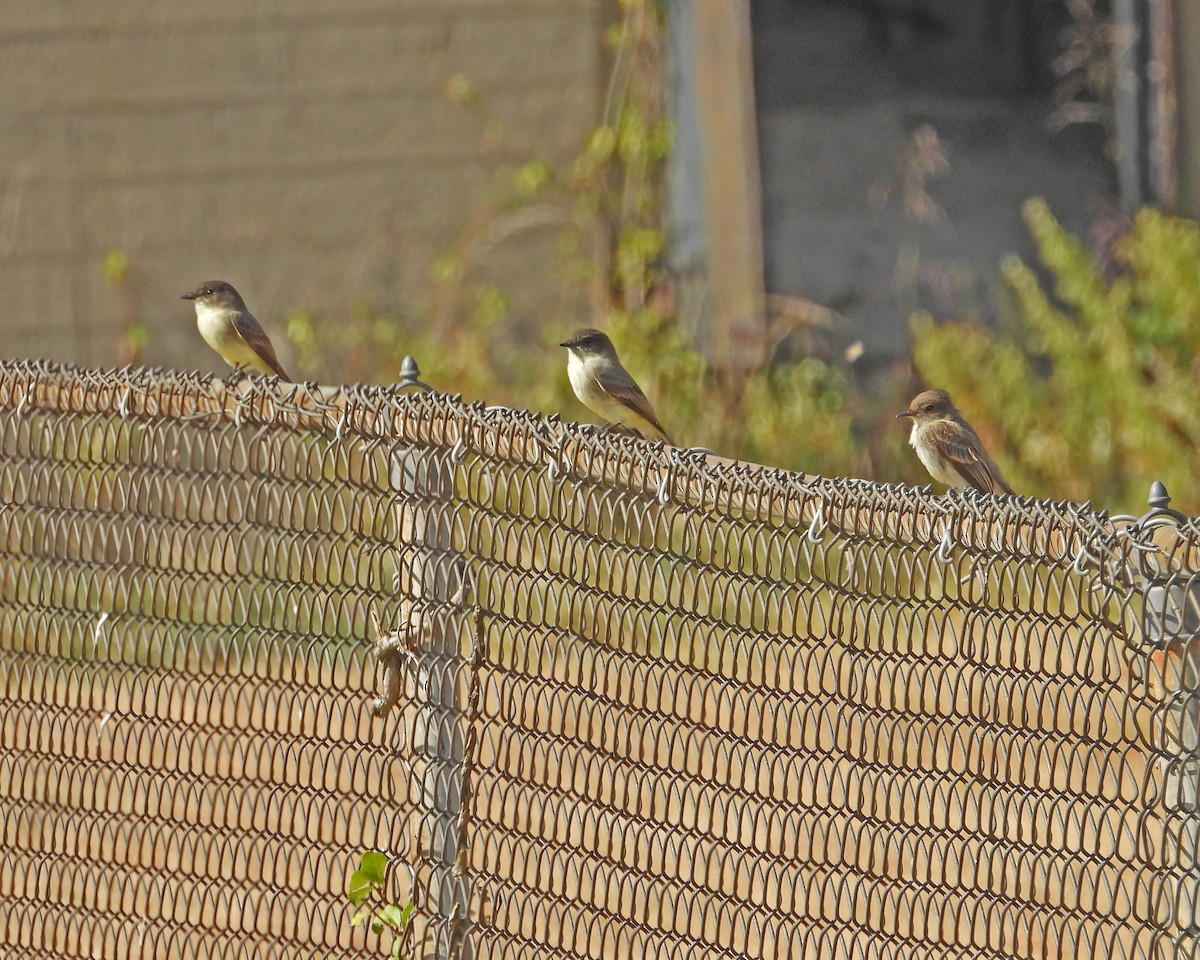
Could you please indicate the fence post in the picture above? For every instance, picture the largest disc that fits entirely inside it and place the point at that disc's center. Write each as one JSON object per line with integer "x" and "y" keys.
{"x": 712, "y": 68}
{"x": 1171, "y": 622}
{"x": 427, "y": 573}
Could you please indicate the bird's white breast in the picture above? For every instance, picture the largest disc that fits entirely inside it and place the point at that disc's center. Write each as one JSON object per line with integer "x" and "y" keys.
{"x": 219, "y": 331}
{"x": 941, "y": 469}
{"x": 584, "y": 382}
{"x": 213, "y": 325}
{"x": 580, "y": 382}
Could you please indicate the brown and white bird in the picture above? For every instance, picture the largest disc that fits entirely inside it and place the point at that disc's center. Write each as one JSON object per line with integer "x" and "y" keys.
{"x": 606, "y": 388}
{"x": 949, "y": 447}
{"x": 230, "y": 329}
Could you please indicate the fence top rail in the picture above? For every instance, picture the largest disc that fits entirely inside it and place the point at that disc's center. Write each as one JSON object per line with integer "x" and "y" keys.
{"x": 1060, "y": 533}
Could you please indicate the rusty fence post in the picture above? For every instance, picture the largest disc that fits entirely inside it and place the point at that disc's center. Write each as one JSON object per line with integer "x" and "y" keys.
{"x": 1171, "y": 628}
{"x": 431, "y": 576}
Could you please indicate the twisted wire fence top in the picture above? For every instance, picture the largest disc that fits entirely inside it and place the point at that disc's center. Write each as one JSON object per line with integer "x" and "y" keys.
{"x": 647, "y": 703}
{"x": 1054, "y": 531}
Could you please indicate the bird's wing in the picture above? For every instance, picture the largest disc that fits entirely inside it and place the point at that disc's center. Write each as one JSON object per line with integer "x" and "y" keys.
{"x": 257, "y": 340}
{"x": 619, "y": 385}
{"x": 963, "y": 448}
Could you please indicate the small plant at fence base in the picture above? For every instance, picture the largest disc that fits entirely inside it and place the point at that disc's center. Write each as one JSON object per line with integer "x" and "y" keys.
{"x": 367, "y": 890}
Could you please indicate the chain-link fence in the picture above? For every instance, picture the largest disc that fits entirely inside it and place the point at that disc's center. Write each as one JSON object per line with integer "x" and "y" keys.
{"x": 631, "y": 702}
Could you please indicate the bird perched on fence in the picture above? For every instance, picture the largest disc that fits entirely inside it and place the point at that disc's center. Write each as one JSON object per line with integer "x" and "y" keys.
{"x": 606, "y": 388}
{"x": 230, "y": 329}
{"x": 949, "y": 447}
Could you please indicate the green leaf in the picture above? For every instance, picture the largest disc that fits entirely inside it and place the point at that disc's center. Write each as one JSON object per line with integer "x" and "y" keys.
{"x": 359, "y": 887}
{"x": 115, "y": 266}
{"x": 369, "y": 877}
{"x": 491, "y": 306}
{"x": 446, "y": 268}
{"x": 601, "y": 143}
{"x": 374, "y": 865}
{"x": 359, "y": 917}
{"x": 393, "y": 916}
{"x": 531, "y": 177}
{"x": 138, "y": 335}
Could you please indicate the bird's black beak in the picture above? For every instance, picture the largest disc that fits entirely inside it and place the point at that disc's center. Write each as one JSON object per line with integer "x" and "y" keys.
{"x": 565, "y": 343}
{"x": 904, "y": 413}
{"x": 188, "y": 296}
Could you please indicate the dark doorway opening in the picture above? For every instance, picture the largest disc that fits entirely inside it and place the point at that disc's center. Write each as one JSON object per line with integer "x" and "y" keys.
{"x": 898, "y": 140}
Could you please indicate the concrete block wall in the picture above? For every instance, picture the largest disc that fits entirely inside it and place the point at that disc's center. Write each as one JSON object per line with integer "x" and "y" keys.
{"x": 304, "y": 150}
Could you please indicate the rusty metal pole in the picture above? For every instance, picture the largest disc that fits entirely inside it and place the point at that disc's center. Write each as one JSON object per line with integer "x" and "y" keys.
{"x": 1171, "y": 627}
{"x": 428, "y": 577}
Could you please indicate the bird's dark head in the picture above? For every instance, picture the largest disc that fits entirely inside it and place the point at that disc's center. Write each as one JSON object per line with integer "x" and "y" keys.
{"x": 216, "y": 293}
{"x": 930, "y": 405}
{"x": 589, "y": 342}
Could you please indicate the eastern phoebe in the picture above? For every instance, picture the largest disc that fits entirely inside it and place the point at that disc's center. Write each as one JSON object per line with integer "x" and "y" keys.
{"x": 950, "y": 449}
{"x": 605, "y": 387}
{"x": 230, "y": 329}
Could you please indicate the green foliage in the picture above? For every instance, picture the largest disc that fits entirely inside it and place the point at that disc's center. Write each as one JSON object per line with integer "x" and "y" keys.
{"x": 1092, "y": 392}
{"x": 801, "y": 410}
{"x": 132, "y": 335}
{"x": 367, "y": 891}
{"x": 1089, "y": 391}
{"x": 604, "y": 206}
{"x": 115, "y": 267}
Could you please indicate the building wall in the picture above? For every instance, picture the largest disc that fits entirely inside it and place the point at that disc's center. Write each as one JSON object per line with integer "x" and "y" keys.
{"x": 306, "y": 151}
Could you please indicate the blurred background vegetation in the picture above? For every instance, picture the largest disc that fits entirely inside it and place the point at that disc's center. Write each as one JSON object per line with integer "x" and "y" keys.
{"x": 1085, "y": 389}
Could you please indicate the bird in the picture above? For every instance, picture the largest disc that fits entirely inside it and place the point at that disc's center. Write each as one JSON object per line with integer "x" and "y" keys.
{"x": 606, "y": 388}
{"x": 230, "y": 329}
{"x": 949, "y": 447}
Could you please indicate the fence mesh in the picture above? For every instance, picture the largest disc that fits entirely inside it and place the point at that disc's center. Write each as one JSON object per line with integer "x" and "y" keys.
{"x": 630, "y": 702}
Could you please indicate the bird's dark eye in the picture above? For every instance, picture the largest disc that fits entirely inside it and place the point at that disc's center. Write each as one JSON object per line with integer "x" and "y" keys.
{"x": 207, "y": 292}
{"x": 928, "y": 408}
